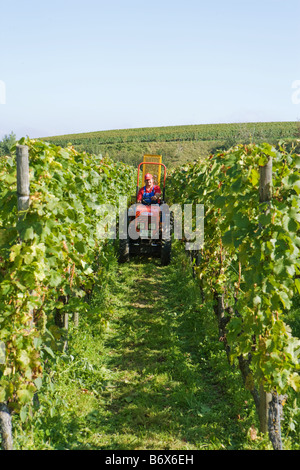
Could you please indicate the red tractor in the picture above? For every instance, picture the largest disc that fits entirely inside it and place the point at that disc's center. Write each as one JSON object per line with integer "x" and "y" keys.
{"x": 148, "y": 225}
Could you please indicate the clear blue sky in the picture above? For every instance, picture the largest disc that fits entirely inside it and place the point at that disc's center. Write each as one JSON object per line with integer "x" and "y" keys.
{"x": 77, "y": 66}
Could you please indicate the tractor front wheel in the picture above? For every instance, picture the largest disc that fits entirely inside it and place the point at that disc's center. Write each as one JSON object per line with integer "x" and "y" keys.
{"x": 165, "y": 256}
{"x": 124, "y": 250}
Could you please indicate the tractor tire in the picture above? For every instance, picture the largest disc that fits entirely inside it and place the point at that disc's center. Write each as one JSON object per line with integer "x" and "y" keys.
{"x": 165, "y": 256}
{"x": 171, "y": 223}
{"x": 124, "y": 250}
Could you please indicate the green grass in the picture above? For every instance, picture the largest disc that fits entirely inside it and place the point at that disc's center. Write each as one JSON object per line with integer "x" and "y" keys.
{"x": 145, "y": 370}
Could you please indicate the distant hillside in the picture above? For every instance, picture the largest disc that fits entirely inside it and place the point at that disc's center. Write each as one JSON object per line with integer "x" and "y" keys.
{"x": 177, "y": 144}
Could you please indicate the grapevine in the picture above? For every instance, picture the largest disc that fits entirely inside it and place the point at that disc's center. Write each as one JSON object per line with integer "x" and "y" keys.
{"x": 250, "y": 259}
{"x": 52, "y": 253}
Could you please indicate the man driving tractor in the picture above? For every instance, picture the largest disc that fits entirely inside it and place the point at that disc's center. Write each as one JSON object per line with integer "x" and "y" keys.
{"x": 149, "y": 193}
{"x": 148, "y": 230}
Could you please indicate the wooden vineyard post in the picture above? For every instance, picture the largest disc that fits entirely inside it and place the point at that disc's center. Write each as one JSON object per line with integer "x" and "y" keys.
{"x": 5, "y": 427}
{"x": 271, "y": 404}
{"x": 23, "y": 186}
{"x": 23, "y": 179}
{"x": 265, "y": 195}
{"x": 23, "y": 195}
{"x": 265, "y": 182}
{"x": 264, "y": 402}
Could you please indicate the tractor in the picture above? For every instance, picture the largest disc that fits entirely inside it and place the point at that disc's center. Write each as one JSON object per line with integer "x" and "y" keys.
{"x": 148, "y": 223}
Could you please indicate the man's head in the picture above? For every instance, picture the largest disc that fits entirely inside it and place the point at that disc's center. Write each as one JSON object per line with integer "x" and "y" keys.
{"x": 148, "y": 179}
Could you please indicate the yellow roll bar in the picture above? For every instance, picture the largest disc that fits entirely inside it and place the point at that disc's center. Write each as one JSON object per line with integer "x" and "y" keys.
{"x": 155, "y": 170}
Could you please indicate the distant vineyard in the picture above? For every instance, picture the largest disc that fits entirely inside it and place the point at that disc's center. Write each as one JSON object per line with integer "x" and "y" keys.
{"x": 177, "y": 144}
{"x": 203, "y": 132}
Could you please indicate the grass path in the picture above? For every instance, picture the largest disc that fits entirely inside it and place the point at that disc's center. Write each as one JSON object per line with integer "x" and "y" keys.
{"x": 152, "y": 400}
{"x": 155, "y": 377}
{"x": 163, "y": 395}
